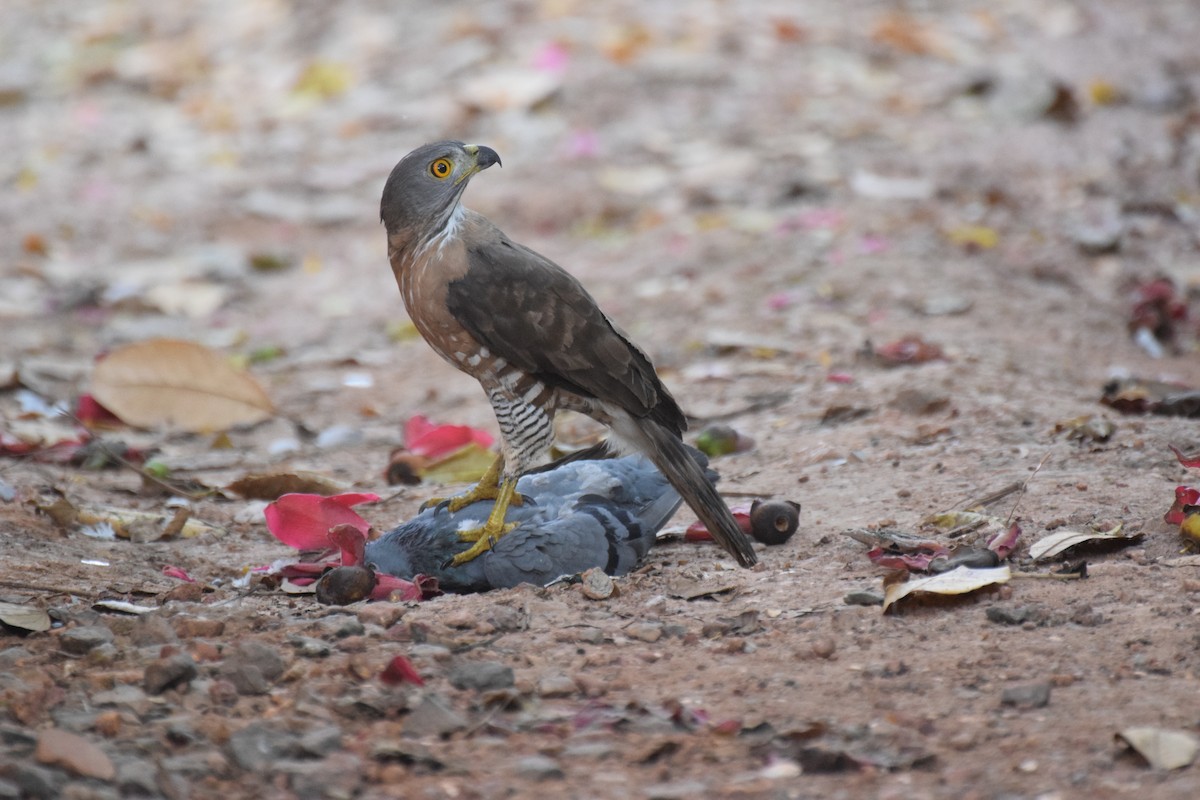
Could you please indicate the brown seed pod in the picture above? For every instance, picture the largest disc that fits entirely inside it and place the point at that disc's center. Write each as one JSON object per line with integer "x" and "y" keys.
{"x": 774, "y": 521}
{"x": 344, "y": 585}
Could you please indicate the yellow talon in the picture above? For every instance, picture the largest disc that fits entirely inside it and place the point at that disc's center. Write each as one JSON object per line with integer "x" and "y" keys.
{"x": 487, "y": 534}
{"x": 488, "y": 488}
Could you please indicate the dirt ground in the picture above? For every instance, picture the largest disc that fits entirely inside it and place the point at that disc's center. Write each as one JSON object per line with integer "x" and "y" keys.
{"x": 754, "y": 191}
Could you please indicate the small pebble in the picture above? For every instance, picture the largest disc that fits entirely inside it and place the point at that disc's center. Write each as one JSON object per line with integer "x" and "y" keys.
{"x": 863, "y": 597}
{"x": 481, "y": 675}
{"x": 596, "y": 585}
{"x": 1027, "y": 696}
{"x": 168, "y": 673}
{"x": 385, "y": 615}
{"x": 187, "y": 627}
{"x": 539, "y": 768}
{"x": 824, "y": 647}
{"x": 78, "y": 641}
{"x": 556, "y": 684}
{"x": 645, "y": 631}
{"x": 73, "y": 753}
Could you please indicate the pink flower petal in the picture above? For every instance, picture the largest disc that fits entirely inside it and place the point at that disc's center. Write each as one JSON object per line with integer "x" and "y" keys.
{"x": 434, "y": 441}
{"x": 177, "y": 572}
{"x": 553, "y": 57}
{"x": 352, "y": 541}
{"x": 303, "y": 521}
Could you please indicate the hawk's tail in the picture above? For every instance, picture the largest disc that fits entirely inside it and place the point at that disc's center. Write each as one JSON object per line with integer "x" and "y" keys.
{"x": 673, "y": 460}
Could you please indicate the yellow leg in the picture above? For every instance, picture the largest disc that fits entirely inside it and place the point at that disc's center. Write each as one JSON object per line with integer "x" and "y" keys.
{"x": 488, "y": 488}
{"x": 495, "y": 527}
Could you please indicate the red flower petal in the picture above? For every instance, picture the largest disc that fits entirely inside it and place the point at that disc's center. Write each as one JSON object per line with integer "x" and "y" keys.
{"x": 400, "y": 670}
{"x": 303, "y": 521}
{"x": 697, "y": 532}
{"x": 177, "y": 572}
{"x": 352, "y": 541}
{"x": 422, "y": 438}
{"x": 1187, "y": 461}
{"x": 1184, "y": 496}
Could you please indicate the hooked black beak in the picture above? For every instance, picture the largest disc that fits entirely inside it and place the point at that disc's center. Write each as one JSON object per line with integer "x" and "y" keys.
{"x": 484, "y": 156}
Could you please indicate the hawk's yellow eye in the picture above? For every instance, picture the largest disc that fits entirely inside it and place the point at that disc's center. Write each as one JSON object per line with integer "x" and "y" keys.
{"x": 441, "y": 168}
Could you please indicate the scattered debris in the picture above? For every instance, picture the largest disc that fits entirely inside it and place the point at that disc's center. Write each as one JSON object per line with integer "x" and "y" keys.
{"x": 1138, "y": 396}
{"x": 907, "y": 351}
{"x": 597, "y": 585}
{"x": 1058, "y": 542}
{"x": 273, "y": 485}
{"x": 773, "y": 522}
{"x": 177, "y": 384}
{"x": 27, "y": 618}
{"x": 1161, "y": 748}
{"x": 1086, "y": 429}
{"x": 958, "y": 581}
{"x": 721, "y": 440}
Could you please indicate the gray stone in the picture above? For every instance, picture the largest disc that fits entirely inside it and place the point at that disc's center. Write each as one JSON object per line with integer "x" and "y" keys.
{"x": 433, "y": 717}
{"x": 309, "y": 647}
{"x": 123, "y": 696}
{"x": 12, "y": 656}
{"x": 103, "y": 655}
{"x": 137, "y": 777}
{"x": 37, "y": 782}
{"x": 78, "y": 641}
{"x": 1008, "y": 615}
{"x": 339, "y": 626}
{"x": 481, "y": 676}
{"x": 338, "y": 777}
{"x": 676, "y": 790}
{"x": 557, "y": 684}
{"x": 256, "y": 746}
{"x": 649, "y": 632}
{"x": 168, "y": 673}
{"x": 864, "y": 597}
{"x": 195, "y": 764}
{"x": 151, "y": 629}
{"x": 252, "y": 667}
{"x": 538, "y": 768}
{"x": 321, "y": 741}
{"x": 1030, "y": 695}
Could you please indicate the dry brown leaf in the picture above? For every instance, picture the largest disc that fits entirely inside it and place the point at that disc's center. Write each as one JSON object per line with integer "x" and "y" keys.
{"x": 1162, "y": 749}
{"x": 26, "y": 617}
{"x": 272, "y": 485}
{"x": 169, "y": 382}
{"x": 958, "y": 581}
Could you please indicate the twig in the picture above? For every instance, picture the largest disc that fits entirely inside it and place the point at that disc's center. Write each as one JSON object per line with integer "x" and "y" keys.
{"x": 995, "y": 496}
{"x": 1025, "y": 486}
{"x": 117, "y": 457}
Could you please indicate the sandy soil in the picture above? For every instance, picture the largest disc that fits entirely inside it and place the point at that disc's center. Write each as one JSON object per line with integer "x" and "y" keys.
{"x": 754, "y": 191}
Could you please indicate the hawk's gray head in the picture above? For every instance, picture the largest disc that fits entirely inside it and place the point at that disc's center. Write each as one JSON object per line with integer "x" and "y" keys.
{"x": 424, "y": 188}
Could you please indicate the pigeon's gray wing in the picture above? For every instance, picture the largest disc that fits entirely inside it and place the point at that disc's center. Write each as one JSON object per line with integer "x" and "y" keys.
{"x": 598, "y": 533}
{"x": 580, "y": 515}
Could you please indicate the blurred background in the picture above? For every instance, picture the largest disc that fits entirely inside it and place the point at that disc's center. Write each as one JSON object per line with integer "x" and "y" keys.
{"x": 809, "y": 173}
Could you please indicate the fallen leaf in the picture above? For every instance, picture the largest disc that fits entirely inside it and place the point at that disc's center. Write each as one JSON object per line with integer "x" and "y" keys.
{"x": 1059, "y": 541}
{"x": 170, "y": 382}
{"x": 958, "y": 581}
{"x": 974, "y": 237}
{"x": 273, "y": 485}
{"x": 1162, "y": 749}
{"x": 303, "y": 521}
{"x": 26, "y": 618}
{"x": 465, "y": 465}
